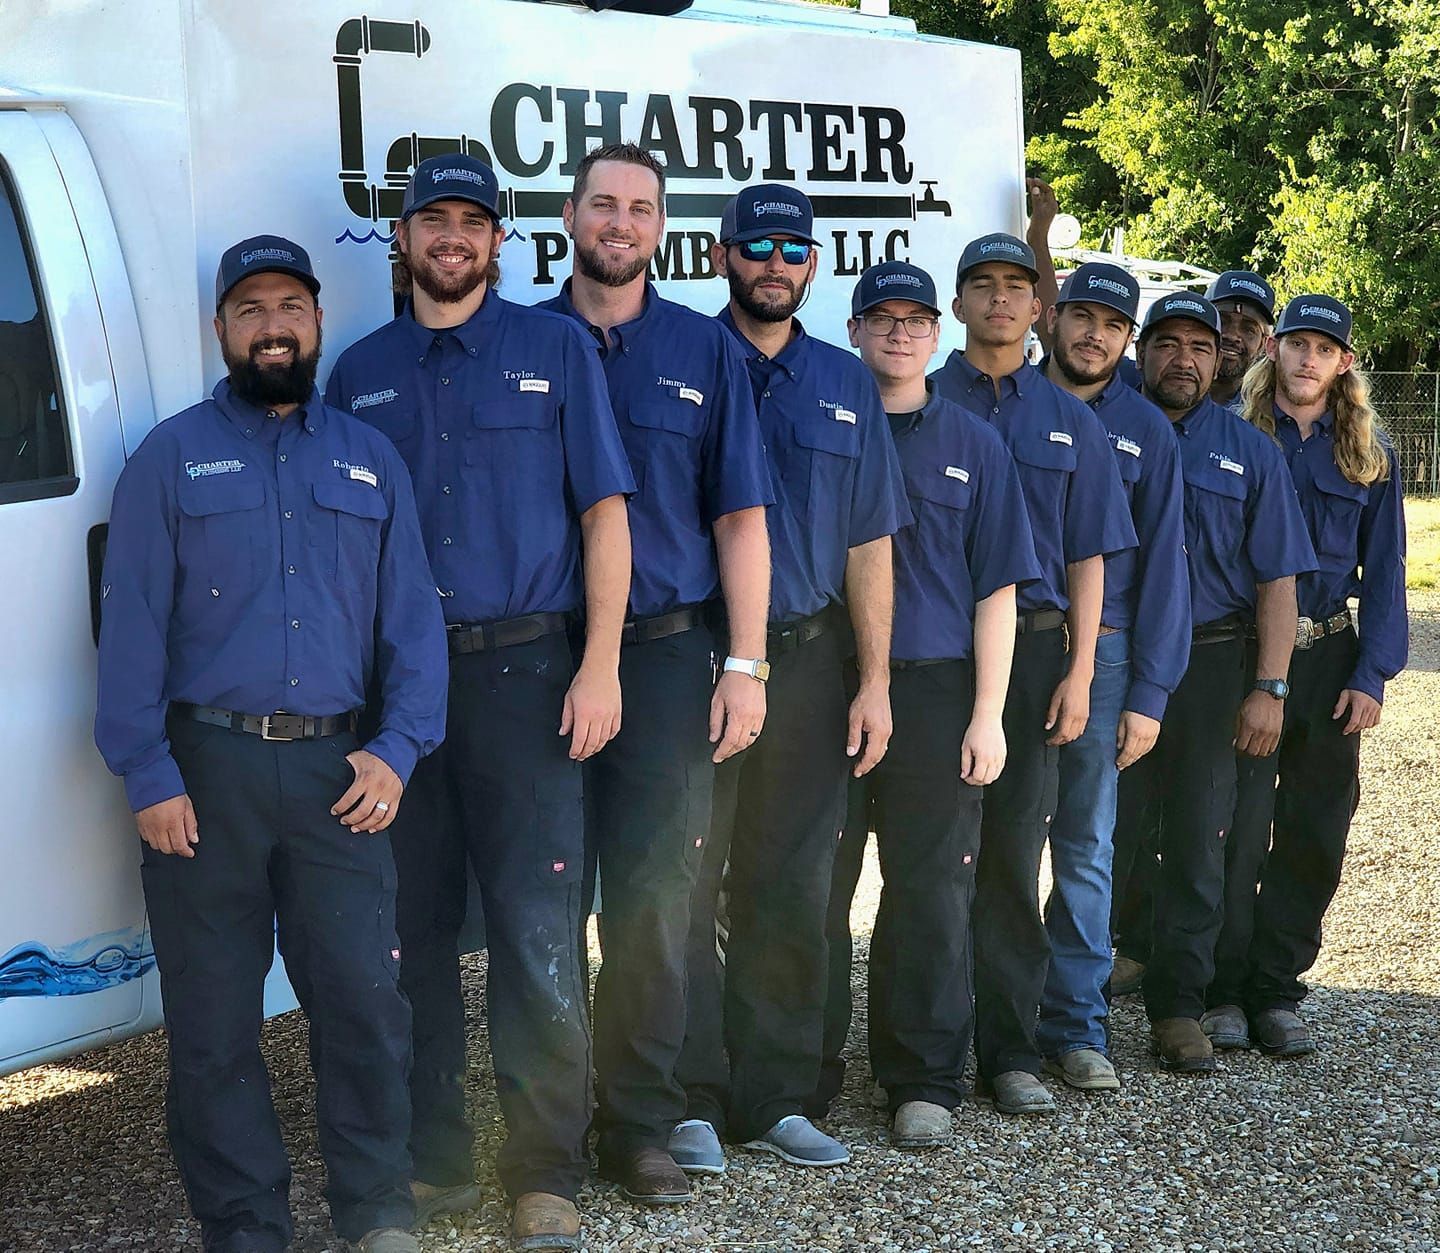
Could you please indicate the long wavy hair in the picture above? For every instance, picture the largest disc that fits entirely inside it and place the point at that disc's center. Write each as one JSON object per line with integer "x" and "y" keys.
{"x": 1358, "y": 445}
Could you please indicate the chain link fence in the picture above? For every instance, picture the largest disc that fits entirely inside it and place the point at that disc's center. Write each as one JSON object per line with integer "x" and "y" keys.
{"x": 1408, "y": 405}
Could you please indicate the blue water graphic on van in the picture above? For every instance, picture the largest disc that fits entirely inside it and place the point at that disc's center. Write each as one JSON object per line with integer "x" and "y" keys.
{"x": 90, "y": 965}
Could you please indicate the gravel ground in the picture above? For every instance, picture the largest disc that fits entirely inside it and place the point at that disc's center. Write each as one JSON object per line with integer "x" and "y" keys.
{"x": 1337, "y": 1151}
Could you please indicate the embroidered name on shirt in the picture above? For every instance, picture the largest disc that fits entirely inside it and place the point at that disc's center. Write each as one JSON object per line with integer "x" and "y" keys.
{"x": 370, "y": 399}
{"x": 1127, "y": 445}
{"x": 1061, "y": 437}
{"x": 955, "y": 472}
{"x": 1225, "y": 463}
{"x": 203, "y": 469}
{"x": 535, "y": 385}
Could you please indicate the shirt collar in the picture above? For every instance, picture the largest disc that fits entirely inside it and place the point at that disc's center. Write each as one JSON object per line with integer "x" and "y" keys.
{"x": 622, "y": 334}
{"x": 790, "y": 355}
{"x": 1325, "y": 421}
{"x": 471, "y": 333}
{"x": 1197, "y": 417}
{"x": 249, "y": 419}
{"x": 1017, "y": 381}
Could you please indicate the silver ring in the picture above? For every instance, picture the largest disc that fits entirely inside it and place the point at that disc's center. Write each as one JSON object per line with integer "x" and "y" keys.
{"x": 382, "y": 807}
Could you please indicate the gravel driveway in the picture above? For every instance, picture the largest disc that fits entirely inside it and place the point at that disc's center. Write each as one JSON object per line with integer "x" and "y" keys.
{"x": 1336, "y": 1151}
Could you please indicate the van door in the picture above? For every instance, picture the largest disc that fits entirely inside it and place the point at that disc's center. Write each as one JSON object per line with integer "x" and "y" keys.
{"x": 73, "y": 943}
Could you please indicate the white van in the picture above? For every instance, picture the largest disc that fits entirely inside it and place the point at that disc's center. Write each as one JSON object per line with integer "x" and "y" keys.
{"x": 138, "y": 140}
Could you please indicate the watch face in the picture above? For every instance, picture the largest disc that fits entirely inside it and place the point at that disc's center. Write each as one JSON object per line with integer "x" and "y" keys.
{"x": 762, "y": 671}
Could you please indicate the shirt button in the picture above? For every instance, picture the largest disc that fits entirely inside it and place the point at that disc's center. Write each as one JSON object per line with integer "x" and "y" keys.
{"x": 472, "y": 351}
{"x": 248, "y": 431}
{"x": 295, "y": 622}
{"x": 444, "y": 434}
{"x": 996, "y": 409}
{"x": 289, "y": 569}
{"x": 422, "y": 361}
{"x": 445, "y": 382}
{"x": 446, "y": 540}
{"x": 214, "y": 591}
{"x": 294, "y": 682}
{"x": 446, "y": 489}
{"x": 270, "y": 414}
{"x": 289, "y": 513}
{"x": 283, "y": 457}
{"x": 765, "y": 395}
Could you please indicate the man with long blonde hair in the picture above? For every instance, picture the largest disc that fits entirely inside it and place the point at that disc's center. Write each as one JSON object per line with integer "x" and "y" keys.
{"x": 1308, "y": 395}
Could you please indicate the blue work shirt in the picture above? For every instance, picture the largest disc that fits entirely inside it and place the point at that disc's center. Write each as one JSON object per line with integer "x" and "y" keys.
{"x": 1072, "y": 489}
{"x": 1147, "y": 588}
{"x": 835, "y": 474}
{"x": 1242, "y": 521}
{"x": 506, "y": 426}
{"x": 1352, "y": 526}
{"x": 1129, "y": 373}
{"x": 682, "y": 402}
{"x": 970, "y": 536}
{"x": 264, "y": 565}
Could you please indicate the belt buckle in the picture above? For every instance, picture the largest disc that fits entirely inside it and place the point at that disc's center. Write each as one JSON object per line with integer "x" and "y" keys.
{"x": 1304, "y": 632}
{"x": 265, "y": 732}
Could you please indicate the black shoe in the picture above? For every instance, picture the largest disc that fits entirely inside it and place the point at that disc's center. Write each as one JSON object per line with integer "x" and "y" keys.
{"x": 1282, "y": 1033}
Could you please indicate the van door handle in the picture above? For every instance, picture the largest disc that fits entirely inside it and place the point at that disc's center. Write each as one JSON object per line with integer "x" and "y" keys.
{"x": 95, "y": 543}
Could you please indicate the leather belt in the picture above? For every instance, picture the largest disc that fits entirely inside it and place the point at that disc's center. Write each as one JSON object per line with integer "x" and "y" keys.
{"x": 1104, "y": 630}
{"x": 483, "y": 637}
{"x": 1039, "y": 620}
{"x": 784, "y": 637}
{"x": 1308, "y": 630}
{"x": 1222, "y": 629}
{"x": 281, "y": 727}
{"x": 897, "y": 663}
{"x": 643, "y": 630}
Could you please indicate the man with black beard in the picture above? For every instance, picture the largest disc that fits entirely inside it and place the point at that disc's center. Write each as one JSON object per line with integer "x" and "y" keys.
{"x": 520, "y": 476}
{"x": 779, "y": 806}
{"x": 1247, "y": 312}
{"x": 1140, "y": 656}
{"x": 682, "y": 400}
{"x": 265, "y": 570}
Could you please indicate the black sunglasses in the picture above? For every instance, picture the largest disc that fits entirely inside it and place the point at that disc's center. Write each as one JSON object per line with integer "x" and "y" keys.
{"x": 794, "y": 251}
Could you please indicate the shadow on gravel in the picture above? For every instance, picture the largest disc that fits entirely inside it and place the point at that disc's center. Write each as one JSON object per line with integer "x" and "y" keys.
{"x": 1339, "y": 1149}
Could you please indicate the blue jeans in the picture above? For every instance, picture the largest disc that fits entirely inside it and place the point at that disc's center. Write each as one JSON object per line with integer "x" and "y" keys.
{"x": 1077, "y": 915}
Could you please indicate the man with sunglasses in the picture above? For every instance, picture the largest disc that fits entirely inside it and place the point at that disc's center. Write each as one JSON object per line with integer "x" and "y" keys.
{"x": 682, "y": 401}
{"x": 1078, "y": 516}
{"x": 1140, "y": 657}
{"x": 955, "y": 573}
{"x": 779, "y": 805}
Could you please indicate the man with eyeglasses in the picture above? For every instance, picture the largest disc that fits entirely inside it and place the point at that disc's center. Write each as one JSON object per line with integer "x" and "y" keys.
{"x": 779, "y": 805}
{"x": 1078, "y": 516}
{"x": 956, "y": 568}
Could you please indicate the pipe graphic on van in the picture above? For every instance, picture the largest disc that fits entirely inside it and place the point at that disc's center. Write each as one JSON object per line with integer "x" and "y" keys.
{"x": 89, "y": 965}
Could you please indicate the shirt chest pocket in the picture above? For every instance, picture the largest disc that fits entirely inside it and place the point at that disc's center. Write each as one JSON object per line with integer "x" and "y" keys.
{"x": 223, "y": 533}
{"x": 821, "y": 469}
{"x": 1045, "y": 467}
{"x": 658, "y": 440}
{"x": 512, "y": 449}
{"x": 1129, "y": 466}
{"x": 1214, "y": 514}
{"x": 942, "y": 513}
{"x": 1341, "y": 502}
{"x": 345, "y": 529}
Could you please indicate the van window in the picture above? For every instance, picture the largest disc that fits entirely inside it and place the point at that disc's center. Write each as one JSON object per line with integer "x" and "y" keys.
{"x": 35, "y": 456}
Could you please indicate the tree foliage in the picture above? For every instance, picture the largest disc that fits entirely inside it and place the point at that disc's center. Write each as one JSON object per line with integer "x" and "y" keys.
{"x": 1242, "y": 133}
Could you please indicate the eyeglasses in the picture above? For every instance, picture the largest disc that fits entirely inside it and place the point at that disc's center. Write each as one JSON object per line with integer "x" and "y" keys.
{"x": 916, "y": 326}
{"x": 794, "y": 251}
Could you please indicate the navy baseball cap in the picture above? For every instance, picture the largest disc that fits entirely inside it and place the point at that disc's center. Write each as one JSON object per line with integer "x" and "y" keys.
{"x": 1182, "y": 304}
{"x": 768, "y": 209}
{"x": 1100, "y": 283}
{"x": 1244, "y": 285}
{"x": 893, "y": 280}
{"x": 452, "y": 176}
{"x": 996, "y": 247}
{"x": 1316, "y": 313}
{"x": 263, "y": 254}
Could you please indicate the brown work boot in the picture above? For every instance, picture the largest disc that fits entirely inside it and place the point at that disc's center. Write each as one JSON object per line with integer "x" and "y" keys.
{"x": 1126, "y": 975}
{"x": 1182, "y": 1046}
{"x": 544, "y": 1221}
{"x": 1282, "y": 1032}
{"x": 648, "y": 1177}
{"x": 432, "y": 1200}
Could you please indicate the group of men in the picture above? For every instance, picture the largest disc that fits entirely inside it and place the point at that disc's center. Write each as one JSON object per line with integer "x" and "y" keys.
{"x": 716, "y": 599}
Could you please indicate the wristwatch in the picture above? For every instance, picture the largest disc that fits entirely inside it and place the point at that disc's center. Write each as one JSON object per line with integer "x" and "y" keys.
{"x": 1277, "y": 688}
{"x": 745, "y": 665}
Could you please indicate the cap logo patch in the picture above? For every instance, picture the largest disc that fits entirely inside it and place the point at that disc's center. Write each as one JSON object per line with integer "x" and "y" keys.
{"x": 1107, "y": 284}
{"x": 1001, "y": 245}
{"x": 1186, "y": 304}
{"x": 955, "y": 472}
{"x": 456, "y": 174}
{"x": 1244, "y": 284}
{"x": 1062, "y": 437}
{"x": 204, "y": 469}
{"x": 370, "y": 399}
{"x": 905, "y": 280}
{"x": 782, "y": 207}
{"x": 267, "y": 254}
{"x": 1319, "y": 311}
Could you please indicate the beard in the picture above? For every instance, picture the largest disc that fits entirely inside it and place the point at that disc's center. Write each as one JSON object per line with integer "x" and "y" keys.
{"x": 768, "y": 308}
{"x": 1076, "y": 370}
{"x": 1228, "y": 368}
{"x": 609, "y": 271}
{"x": 445, "y": 288}
{"x": 264, "y": 386}
{"x": 1300, "y": 391}
{"x": 1175, "y": 394}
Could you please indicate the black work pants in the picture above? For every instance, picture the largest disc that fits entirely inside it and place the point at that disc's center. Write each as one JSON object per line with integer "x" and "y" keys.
{"x": 1289, "y": 838}
{"x": 1185, "y": 786}
{"x": 502, "y": 794}
{"x": 648, "y": 797}
{"x": 270, "y": 849}
{"x": 927, "y": 824}
{"x": 1012, "y": 947}
{"x": 778, "y": 810}
{"x": 1136, "y": 865}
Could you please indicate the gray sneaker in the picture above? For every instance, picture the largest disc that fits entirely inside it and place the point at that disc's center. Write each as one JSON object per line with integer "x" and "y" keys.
{"x": 695, "y": 1148}
{"x": 1226, "y": 1026}
{"x": 1020, "y": 1092}
{"x": 921, "y": 1125}
{"x": 386, "y": 1240}
{"x": 1087, "y": 1070}
{"x": 796, "y": 1140}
